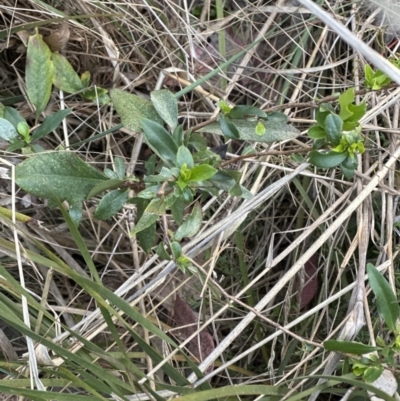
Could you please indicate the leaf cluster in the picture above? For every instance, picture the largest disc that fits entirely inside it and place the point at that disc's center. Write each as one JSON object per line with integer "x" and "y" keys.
{"x": 45, "y": 68}
{"x": 181, "y": 169}
{"x": 337, "y": 136}
{"x": 377, "y": 79}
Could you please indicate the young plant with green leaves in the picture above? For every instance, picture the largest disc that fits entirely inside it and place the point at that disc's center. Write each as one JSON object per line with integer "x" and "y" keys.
{"x": 371, "y": 360}
{"x": 377, "y": 79}
{"x": 337, "y": 136}
{"x": 181, "y": 169}
{"x": 45, "y": 68}
{"x": 15, "y": 130}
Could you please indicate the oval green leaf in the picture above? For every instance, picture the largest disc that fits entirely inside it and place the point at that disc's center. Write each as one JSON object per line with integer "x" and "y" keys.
{"x": 145, "y": 221}
{"x": 228, "y": 128}
{"x": 13, "y": 116}
{"x": 111, "y": 204}
{"x": 147, "y": 236}
{"x": 333, "y": 128}
{"x": 38, "y": 73}
{"x": 120, "y": 168}
{"x": 65, "y": 77}
{"x": 132, "y": 109}
{"x": 61, "y": 175}
{"x": 242, "y": 111}
{"x": 274, "y": 131}
{"x": 326, "y": 160}
{"x": 166, "y": 105}
{"x": 7, "y": 131}
{"x": 191, "y": 225}
{"x": 386, "y": 300}
{"x": 184, "y": 157}
{"x": 372, "y": 373}
{"x": 316, "y": 132}
{"x": 159, "y": 140}
{"x": 202, "y": 172}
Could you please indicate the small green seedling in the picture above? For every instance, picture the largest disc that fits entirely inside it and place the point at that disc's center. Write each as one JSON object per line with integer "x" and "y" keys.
{"x": 376, "y": 79}
{"x": 15, "y": 130}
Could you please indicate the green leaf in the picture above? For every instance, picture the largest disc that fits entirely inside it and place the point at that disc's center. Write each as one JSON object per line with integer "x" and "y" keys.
{"x": 177, "y": 135}
{"x": 184, "y": 157}
{"x": 119, "y": 167}
{"x": 228, "y": 128}
{"x": 62, "y": 176}
{"x": 278, "y": 117}
{"x": 197, "y": 141}
{"x": 65, "y": 77}
{"x": 386, "y": 300}
{"x": 156, "y": 206}
{"x": 191, "y": 225}
{"x": 326, "y": 160}
{"x": 150, "y": 164}
{"x": 75, "y": 212}
{"x": 224, "y": 106}
{"x": 260, "y": 129}
{"x": 177, "y": 210}
{"x": 162, "y": 252}
{"x": 347, "y": 172}
{"x": 345, "y": 99}
{"x": 95, "y": 94}
{"x": 223, "y": 180}
{"x": 13, "y": 116}
{"x": 166, "y": 105}
{"x": 349, "y": 347}
{"x": 146, "y": 220}
{"x": 111, "y": 204}
{"x": 85, "y": 79}
{"x": 243, "y": 111}
{"x": 147, "y": 236}
{"x": 381, "y": 78}
{"x": 350, "y": 163}
{"x": 316, "y": 132}
{"x": 132, "y": 109}
{"x": 241, "y": 191}
{"x": 321, "y": 116}
{"x": 164, "y": 175}
{"x": 369, "y": 73}
{"x": 372, "y": 373}
{"x": 23, "y": 130}
{"x": 274, "y": 131}
{"x": 39, "y": 72}
{"x": 16, "y": 145}
{"x": 7, "y": 131}
{"x": 104, "y": 185}
{"x": 49, "y": 124}
{"x": 159, "y": 140}
{"x": 202, "y": 172}
{"x": 176, "y": 249}
{"x": 358, "y": 111}
{"x": 149, "y": 192}
{"x": 333, "y": 128}
{"x": 35, "y": 148}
